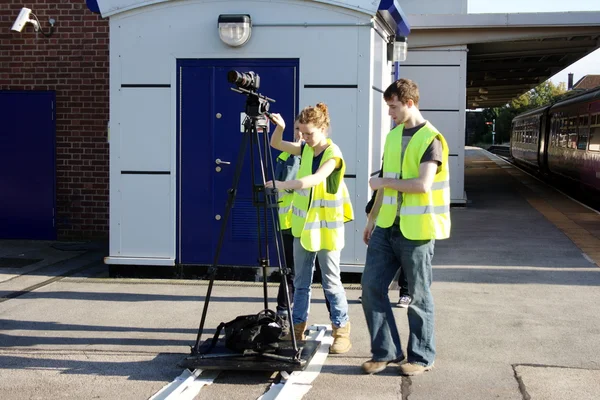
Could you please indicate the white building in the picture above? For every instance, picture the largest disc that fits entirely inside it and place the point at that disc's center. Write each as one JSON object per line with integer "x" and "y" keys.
{"x": 173, "y": 116}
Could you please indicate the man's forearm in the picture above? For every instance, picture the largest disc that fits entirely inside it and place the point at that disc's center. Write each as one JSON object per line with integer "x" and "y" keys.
{"x": 415, "y": 185}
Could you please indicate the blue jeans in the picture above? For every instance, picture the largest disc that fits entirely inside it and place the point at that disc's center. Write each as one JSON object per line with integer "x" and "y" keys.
{"x": 304, "y": 263}
{"x": 388, "y": 248}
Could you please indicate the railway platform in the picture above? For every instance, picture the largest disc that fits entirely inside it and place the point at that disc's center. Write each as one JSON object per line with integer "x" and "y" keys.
{"x": 516, "y": 291}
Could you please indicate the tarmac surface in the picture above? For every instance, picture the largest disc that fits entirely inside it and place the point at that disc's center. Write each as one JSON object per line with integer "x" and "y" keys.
{"x": 515, "y": 288}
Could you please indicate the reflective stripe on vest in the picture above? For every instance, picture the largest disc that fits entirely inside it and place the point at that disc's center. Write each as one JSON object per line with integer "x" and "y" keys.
{"x": 318, "y": 216}
{"x": 424, "y": 216}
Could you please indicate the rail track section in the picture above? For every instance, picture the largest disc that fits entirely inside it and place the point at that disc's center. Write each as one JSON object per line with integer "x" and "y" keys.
{"x": 290, "y": 386}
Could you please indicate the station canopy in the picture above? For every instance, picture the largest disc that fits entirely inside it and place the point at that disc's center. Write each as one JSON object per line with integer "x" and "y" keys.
{"x": 509, "y": 54}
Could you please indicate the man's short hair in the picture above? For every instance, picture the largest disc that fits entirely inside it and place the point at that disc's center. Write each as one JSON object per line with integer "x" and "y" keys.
{"x": 404, "y": 89}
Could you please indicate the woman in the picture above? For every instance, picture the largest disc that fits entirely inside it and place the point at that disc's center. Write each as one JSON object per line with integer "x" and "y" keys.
{"x": 320, "y": 207}
{"x": 286, "y": 168}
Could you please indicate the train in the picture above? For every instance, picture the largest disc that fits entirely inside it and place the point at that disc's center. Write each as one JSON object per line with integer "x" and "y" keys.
{"x": 561, "y": 139}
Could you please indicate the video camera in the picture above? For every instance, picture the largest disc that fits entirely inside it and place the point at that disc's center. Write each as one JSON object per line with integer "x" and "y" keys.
{"x": 248, "y": 83}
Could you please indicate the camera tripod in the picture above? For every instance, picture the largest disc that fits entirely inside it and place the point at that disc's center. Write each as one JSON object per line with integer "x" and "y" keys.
{"x": 290, "y": 356}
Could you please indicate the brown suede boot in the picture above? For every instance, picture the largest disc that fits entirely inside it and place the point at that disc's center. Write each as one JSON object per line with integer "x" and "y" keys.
{"x": 341, "y": 339}
{"x": 298, "y": 331}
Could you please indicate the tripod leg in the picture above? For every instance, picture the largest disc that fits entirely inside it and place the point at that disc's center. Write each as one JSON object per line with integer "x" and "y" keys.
{"x": 259, "y": 203}
{"x": 273, "y": 204}
{"x": 213, "y": 269}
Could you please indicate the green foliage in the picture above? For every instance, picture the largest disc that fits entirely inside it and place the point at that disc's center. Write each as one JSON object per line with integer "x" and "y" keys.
{"x": 542, "y": 95}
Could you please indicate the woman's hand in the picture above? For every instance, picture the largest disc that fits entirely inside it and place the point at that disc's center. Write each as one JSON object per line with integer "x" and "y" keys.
{"x": 277, "y": 119}
{"x": 280, "y": 185}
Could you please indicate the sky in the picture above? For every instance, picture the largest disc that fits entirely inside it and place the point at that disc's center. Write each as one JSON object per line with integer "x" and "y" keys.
{"x": 587, "y": 65}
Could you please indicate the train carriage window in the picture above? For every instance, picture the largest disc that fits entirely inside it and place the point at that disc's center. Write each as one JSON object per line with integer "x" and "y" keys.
{"x": 554, "y": 132}
{"x": 563, "y": 132}
{"x": 572, "y": 132}
{"x": 583, "y": 131}
{"x": 594, "y": 144}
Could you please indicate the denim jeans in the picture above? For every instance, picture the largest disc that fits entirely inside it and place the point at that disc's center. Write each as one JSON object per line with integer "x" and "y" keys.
{"x": 304, "y": 263}
{"x": 388, "y": 248}
{"x": 288, "y": 251}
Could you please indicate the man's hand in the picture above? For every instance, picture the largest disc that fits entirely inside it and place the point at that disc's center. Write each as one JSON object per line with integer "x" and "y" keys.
{"x": 368, "y": 231}
{"x": 376, "y": 183}
{"x": 277, "y": 119}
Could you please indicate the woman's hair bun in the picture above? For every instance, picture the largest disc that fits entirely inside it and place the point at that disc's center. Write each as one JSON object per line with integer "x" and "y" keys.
{"x": 322, "y": 107}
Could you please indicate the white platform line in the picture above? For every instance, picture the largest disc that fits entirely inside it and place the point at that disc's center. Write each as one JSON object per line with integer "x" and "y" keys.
{"x": 186, "y": 386}
{"x": 295, "y": 385}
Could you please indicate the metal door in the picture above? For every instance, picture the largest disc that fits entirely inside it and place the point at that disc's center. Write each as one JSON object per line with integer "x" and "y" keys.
{"x": 210, "y": 130}
{"x": 27, "y": 165}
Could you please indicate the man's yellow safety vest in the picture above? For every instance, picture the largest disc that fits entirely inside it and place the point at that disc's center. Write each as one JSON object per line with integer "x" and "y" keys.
{"x": 423, "y": 216}
{"x": 319, "y": 213}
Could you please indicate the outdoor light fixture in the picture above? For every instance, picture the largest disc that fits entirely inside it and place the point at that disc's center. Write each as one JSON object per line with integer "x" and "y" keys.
{"x": 400, "y": 48}
{"x": 23, "y": 19}
{"x": 235, "y": 29}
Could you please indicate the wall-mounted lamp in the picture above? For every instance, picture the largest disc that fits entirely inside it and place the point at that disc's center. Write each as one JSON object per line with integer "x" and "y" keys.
{"x": 400, "y": 48}
{"x": 23, "y": 19}
{"x": 235, "y": 29}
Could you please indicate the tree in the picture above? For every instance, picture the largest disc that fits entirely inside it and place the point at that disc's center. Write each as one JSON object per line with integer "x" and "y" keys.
{"x": 542, "y": 95}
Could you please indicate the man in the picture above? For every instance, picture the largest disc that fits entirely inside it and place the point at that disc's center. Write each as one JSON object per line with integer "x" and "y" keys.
{"x": 411, "y": 210}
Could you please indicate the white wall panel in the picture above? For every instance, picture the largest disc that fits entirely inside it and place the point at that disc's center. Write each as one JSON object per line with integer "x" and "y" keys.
{"x": 342, "y": 108}
{"x": 145, "y": 129}
{"x": 448, "y": 123}
{"x": 438, "y": 86}
{"x": 441, "y": 76}
{"x": 348, "y": 252}
{"x": 146, "y": 202}
{"x": 150, "y": 37}
{"x": 457, "y": 172}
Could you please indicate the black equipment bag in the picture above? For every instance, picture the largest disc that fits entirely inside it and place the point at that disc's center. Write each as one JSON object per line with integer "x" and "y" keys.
{"x": 257, "y": 332}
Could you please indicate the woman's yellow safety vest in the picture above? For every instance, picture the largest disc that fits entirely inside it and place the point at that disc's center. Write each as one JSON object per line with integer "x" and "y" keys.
{"x": 423, "y": 216}
{"x": 285, "y": 202}
{"x": 319, "y": 214}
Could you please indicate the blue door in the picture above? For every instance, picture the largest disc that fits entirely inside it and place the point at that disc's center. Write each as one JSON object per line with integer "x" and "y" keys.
{"x": 210, "y": 116}
{"x": 27, "y": 165}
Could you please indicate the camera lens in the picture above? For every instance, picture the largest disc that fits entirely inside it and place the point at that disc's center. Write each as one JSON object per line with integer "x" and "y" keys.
{"x": 234, "y": 77}
{"x": 248, "y": 80}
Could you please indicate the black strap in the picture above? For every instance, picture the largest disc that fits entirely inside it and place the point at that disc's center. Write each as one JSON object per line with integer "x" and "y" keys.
{"x": 215, "y": 338}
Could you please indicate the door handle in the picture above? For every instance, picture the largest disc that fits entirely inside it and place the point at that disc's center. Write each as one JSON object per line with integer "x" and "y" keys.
{"x": 218, "y": 161}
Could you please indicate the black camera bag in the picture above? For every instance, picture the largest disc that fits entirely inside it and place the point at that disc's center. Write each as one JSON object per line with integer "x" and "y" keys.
{"x": 257, "y": 332}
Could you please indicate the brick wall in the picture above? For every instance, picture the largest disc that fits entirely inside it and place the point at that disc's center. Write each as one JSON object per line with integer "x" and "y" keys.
{"x": 74, "y": 64}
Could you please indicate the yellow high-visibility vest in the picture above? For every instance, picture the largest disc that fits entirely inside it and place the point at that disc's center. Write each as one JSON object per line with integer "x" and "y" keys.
{"x": 319, "y": 213}
{"x": 285, "y": 201}
{"x": 423, "y": 216}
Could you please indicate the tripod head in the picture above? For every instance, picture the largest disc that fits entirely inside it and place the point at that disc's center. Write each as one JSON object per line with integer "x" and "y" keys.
{"x": 257, "y": 105}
